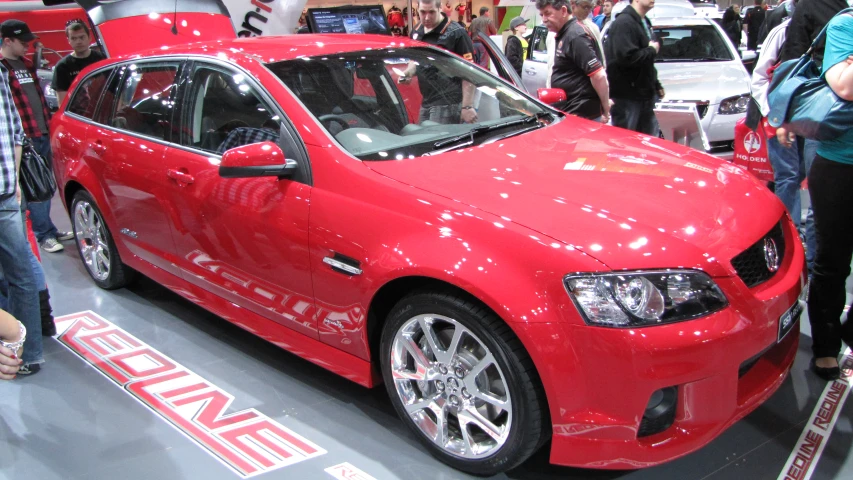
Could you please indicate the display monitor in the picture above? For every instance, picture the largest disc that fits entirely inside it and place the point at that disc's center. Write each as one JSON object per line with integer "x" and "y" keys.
{"x": 349, "y": 19}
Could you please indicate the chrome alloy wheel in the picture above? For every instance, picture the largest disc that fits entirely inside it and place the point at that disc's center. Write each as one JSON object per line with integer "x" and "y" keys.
{"x": 451, "y": 386}
{"x": 91, "y": 240}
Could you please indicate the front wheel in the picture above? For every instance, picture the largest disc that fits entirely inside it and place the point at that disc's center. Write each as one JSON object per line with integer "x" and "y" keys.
{"x": 95, "y": 244}
{"x": 462, "y": 381}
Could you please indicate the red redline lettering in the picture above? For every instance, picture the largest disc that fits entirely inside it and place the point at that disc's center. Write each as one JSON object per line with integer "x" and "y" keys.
{"x": 180, "y": 391}
{"x": 110, "y": 338}
{"x": 120, "y": 361}
{"x": 210, "y": 416}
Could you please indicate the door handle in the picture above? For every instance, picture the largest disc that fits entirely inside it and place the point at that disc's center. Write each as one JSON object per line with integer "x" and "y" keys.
{"x": 179, "y": 176}
{"x": 530, "y": 71}
{"x": 98, "y": 147}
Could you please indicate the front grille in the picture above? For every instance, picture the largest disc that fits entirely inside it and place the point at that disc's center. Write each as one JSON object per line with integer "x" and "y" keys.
{"x": 751, "y": 265}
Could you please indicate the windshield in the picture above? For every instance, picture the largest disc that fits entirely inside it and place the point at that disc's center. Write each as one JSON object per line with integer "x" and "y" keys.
{"x": 401, "y": 103}
{"x": 695, "y": 43}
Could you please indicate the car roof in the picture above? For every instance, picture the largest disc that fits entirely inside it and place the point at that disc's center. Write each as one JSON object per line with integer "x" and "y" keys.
{"x": 271, "y": 49}
{"x": 680, "y": 21}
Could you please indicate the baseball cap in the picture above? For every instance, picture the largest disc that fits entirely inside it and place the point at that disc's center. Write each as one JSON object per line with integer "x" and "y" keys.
{"x": 16, "y": 29}
{"x": 516, "y": 22}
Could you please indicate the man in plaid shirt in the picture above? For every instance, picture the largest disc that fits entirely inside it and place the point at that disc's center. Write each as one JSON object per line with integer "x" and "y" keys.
{"x": 22, "y": 290}
{"x": 32, "y": 108}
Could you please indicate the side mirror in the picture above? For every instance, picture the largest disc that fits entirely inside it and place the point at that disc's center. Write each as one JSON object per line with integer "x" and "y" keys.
{"x": 551, "y": 96}
{"x": 263, "y": 159}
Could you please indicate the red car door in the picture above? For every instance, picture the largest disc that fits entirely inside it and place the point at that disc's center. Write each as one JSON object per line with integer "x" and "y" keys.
{"x": 129, "y": 143}
{"x": 242, "y": 239}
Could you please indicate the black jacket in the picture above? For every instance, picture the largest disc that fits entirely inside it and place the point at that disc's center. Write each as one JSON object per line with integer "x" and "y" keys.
{"x": 771, "y": 21}
{"x": 809, "y": 18}
{"x": 515, "y": 53}
{"x": 631, "y": 68}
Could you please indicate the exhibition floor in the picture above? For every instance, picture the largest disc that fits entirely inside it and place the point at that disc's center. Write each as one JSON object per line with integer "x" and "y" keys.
{"x": 73, "y": 421}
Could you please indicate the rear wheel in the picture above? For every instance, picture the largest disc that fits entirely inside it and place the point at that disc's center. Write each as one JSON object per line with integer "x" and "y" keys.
{"x": 461, "y": 380}
{"x": 95, "y": 244}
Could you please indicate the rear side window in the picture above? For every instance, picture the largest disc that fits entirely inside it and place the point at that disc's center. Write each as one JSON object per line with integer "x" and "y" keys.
{"x": 145, "y": 99}
{"x": 88, "y": 93}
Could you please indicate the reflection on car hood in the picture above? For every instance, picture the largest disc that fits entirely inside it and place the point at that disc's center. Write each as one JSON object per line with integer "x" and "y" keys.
{"x": 706, "y": 81}
{"x": 626, "y": 199}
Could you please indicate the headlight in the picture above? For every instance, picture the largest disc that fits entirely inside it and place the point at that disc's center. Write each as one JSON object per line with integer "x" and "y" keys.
{"x": 636, "y": 299}
{"x": 48, "y": 91}
{"x": 733, "y": 105}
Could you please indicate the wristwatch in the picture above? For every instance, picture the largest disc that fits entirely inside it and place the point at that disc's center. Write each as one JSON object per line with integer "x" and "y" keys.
{"x": 14, "y": 346}
{"x": 466, "y": 107}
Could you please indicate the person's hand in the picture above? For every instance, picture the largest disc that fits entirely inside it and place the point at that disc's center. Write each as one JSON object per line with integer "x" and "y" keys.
{"x": 605, "y": 117}
{"x": 469, "y": 115}
{"x": 654, "y": 45}
{"x": 9, "y": 363}
{"x": 785, "y": 138}
{"x": 405, "y": 79}
{"x": 661, "y": 93}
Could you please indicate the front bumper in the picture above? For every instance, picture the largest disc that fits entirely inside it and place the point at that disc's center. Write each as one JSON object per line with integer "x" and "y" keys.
{"x": 599, "y": 380}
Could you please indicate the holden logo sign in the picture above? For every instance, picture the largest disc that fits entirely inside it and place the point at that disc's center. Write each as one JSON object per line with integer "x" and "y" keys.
{"x": 771, "y": 255}
{"x": 751, "y": 142}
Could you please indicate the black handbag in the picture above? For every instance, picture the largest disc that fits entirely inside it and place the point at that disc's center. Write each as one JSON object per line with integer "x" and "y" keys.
{"x": 37, "y": 181}
{"x": 801, "y": 99}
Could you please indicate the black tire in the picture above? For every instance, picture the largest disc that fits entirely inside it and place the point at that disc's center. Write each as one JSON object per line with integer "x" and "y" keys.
{"x": 529, "y": 428}
{"x": 117, "y": 273}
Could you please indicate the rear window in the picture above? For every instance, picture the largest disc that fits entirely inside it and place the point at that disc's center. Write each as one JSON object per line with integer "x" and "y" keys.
{"x": 86, "y": 95}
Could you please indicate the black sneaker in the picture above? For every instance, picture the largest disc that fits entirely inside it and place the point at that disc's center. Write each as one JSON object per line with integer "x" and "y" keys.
{"x": 29, "y": 369}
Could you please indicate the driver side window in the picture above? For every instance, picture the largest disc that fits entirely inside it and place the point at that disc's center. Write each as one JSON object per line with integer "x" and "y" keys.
{"x": 225, "y": 112}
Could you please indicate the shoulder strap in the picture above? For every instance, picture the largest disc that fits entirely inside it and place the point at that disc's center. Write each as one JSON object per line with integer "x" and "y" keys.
{"x": 823, "y": 32}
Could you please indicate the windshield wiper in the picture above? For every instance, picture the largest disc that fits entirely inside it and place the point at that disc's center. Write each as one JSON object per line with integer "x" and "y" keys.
{"x": 709, "y": 59}
{"x": 477, "y": 131}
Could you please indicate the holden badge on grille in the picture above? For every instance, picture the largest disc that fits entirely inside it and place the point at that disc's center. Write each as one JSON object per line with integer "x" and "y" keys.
{"x": 771, "y": 255}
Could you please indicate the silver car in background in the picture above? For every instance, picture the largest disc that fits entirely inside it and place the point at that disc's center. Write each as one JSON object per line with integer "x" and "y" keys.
{"x": 697, "y": 63}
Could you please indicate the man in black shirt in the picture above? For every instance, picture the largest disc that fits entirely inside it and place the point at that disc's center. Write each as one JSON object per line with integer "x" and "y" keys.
{"x": 631, "y": 49}
{"x": 445, "y": 99}
{"x": 67, "y": 69}
{"x": 577, "y": 63}
{"x": 754, "y": 19}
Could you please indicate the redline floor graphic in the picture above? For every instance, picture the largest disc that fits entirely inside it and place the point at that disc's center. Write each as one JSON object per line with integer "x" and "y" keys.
{"x": 803, "y": 460}
{"x": 247, "y": 441}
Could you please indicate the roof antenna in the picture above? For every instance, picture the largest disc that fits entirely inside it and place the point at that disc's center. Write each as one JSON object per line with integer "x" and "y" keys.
{"x": 175, "y": 19}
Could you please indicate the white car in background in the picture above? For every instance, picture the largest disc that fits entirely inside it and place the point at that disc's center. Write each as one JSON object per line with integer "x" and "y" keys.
{"x": 697, "y": 64}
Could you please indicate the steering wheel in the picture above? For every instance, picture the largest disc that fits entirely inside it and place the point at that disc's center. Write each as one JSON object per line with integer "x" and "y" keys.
{"x": 331, "y": 117}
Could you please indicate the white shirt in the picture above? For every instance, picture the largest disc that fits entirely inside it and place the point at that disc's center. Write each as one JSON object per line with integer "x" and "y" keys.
{"x": 769, "y": 56}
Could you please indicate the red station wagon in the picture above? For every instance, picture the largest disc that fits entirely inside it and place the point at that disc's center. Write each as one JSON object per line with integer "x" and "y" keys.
{"x": 529, "y": 276}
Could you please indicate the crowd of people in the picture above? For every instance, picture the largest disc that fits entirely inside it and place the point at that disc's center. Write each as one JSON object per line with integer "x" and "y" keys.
{"x": 25, "y": 311}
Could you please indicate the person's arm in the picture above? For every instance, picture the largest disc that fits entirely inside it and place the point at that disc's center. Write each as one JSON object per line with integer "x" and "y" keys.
{"x": 464, "y": 47}
{"x": 60, "y": 95}
{"x": 602, "y": 88}
{"x": 840, "y": 79}
{"x": 410, "y": 71}
{"x": 10, "y": 331}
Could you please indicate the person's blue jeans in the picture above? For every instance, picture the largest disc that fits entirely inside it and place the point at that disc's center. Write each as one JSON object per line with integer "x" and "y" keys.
{"x": 43, "y": 226}
{"x": 809, "y": 154}
{"x": 790, "y": 168}
{"x": 15, "y": 253}
{"x": 636, "y": 115}
{"x": 789, "y": 171}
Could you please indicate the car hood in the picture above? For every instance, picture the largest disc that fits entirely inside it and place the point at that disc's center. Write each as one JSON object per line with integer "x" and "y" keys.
{"x": 626, "y": 199}
{"x": 704, "y": 81}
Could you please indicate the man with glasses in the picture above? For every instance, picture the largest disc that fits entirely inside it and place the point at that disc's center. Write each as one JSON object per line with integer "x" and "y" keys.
{"x": 32, "y": 108}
